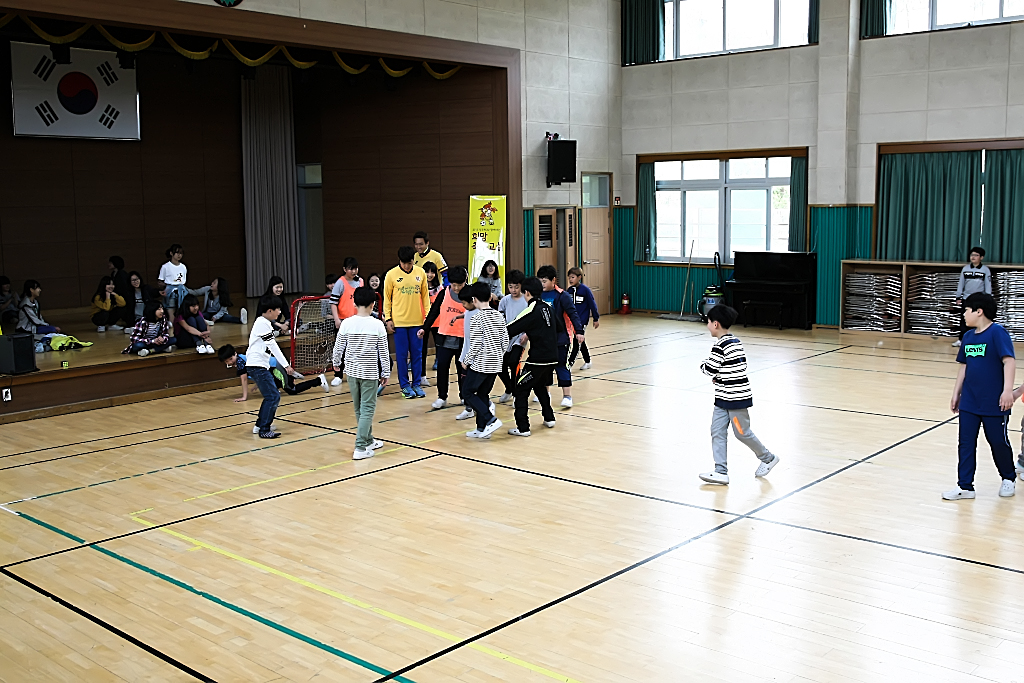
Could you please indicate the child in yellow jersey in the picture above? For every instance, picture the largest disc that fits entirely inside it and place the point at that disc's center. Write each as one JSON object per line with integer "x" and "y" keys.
{"x": 406, "y": 302}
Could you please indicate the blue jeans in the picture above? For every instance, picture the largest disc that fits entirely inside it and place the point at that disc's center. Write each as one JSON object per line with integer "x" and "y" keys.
{"x": 228, "y": 318}
{"x": 189, "y": 340}
{"x": 138, "y": 346}
{"x": 173, "y": 296}
{"x": 998, "y": 440}
{"x": 271, "y": 396}
{"x": 408, "y": 344}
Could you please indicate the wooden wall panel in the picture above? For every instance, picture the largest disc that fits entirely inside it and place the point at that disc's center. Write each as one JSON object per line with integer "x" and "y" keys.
{"x": 67, "y": 205}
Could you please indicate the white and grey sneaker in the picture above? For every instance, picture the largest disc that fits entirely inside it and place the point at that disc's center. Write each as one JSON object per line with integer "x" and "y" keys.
{"x": 324, "y": 384}
{"x": 244, "y": 315}
{"x": 765, "y": 467}
{"x": 493, "y": 408}
{"x": 116, "y": 328}
{"x": 956, "y": 344}
{"x": 535, "y": 399}
{"x": 424, "y": 382}
{"x": 210, "y": 350}
{"x": 143, "y": 353}
{"x": 376, "y": 445}
{"x": 515, "y": 432}
{"x": 465, "y": 414}
{"x": 439, "y": 404}
{"x": 201, "y": 349}
{"x": 1007, "y": 489}
{"x": 1020, "y": 470}
{"x": 171, "y": 349}
{"x": 256, "y": 430}
{"x": 505, "y": 398}
{"x": 473, "y": 434}
{"x": 362, "y": 454}
{"x": 567, "y": 402}
{"x": 586, "y": 366}
{"x": 958, "y": 494}
{"x": 550, "y": 425}
{"x": 129, "y": 330}
{"x": 101, "y": 328}
{"x": 495, "y": 424}
{"x": 336, "y": 382}
{"x": 715, "y": 478}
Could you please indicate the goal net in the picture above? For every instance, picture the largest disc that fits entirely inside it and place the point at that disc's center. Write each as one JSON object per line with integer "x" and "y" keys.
{"x": 313, "y": 334}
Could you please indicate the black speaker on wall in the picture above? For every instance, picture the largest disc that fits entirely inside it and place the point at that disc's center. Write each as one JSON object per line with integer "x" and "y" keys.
{"x": 17, "y": 354}
{"x": 561, "y": 162}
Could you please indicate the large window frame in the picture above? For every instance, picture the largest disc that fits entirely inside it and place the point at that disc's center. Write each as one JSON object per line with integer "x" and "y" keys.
{"x": 934, "y": 25}
{"x": 725, "y": 187}
{"x": 671, "y": 8}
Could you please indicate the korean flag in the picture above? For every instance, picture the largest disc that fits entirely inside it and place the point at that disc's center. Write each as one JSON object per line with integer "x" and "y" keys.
{"x": 92, "y": 97}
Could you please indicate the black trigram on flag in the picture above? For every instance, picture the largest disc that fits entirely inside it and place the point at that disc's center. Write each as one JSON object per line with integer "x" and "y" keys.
{"x": 44, "y": 68}
{"x": 107, "y": 73}
{"x": 108, "y": 117}
{"x": 46, "y": 113}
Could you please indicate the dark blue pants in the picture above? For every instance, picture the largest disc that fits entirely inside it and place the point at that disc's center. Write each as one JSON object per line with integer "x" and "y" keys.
{"x": 271, "y": 396}
{"x": 477, "y": 392}
{"x": 998, "y": 440}
{"x": 409, "y": 355}
{"x": 562, "y": 369}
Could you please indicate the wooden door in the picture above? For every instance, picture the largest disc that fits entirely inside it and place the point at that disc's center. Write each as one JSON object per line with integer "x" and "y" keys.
{"x": 597, "y": 255}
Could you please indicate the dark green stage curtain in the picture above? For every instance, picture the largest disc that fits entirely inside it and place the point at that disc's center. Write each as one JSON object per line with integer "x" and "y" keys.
{"x": 872, "y": 17}
{"x": 929, "y": 206}
{"x": 1003, "y": 236}
{"x": 814, "y": 21}
{"x": 798, "y": 204}
{"x": 646, "y": 215}
{"x": 643, "y": 31}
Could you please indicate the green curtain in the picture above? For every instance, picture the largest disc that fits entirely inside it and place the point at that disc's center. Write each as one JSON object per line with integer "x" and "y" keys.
{"x": 837, "y": 233}
{"x": 929, "y": 206}
{"x": 1003, "y": 233}
{"x": 798, "y": 204}
{"x": 643, "y": 31}
{"x": 646, "y": 215}
{"x": 814, "y": 21}
{"x": 528, "y": 254}
{"x": 873, "y": 15}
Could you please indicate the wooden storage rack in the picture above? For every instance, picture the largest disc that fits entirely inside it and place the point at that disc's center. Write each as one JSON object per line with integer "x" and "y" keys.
{"x": 905, "y": 269}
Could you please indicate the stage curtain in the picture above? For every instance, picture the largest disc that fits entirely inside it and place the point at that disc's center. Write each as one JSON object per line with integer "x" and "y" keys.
{"x": 272, "y": 241}
{"x": 929, "y": 206}
{"x": 873, "y": 17}
{"x": 643, "y": 31}
{"x": 798, "y": 205}
{"x": 646, "y": 215}
{"x": 1003, "y": 234}
{"x": 814, "y": 21}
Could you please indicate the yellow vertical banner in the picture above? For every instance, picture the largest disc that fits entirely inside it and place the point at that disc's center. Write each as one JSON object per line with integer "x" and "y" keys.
{"x": 487, "y": 221}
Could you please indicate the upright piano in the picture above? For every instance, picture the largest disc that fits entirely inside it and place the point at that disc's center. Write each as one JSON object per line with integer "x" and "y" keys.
{"x": 774, "y": 288}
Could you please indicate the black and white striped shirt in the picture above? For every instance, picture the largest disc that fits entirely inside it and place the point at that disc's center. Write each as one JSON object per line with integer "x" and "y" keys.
{"x": 727, "y": 366}
{"x": 488, "y": 339}
{"x": 361, "y": 347}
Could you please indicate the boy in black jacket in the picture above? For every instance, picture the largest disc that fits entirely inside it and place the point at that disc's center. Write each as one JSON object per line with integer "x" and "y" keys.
{"x": 568, "y": 324}
{"x": 538, "y": 323}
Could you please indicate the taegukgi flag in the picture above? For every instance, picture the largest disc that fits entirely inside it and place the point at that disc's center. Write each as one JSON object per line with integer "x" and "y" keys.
{"x": 92, "y": 97}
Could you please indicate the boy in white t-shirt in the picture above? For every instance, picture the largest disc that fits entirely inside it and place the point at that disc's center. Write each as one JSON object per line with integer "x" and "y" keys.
{"x": 361, "y": 347}
{"x": 172, "y": 277}
{"x": 263, "y": 345}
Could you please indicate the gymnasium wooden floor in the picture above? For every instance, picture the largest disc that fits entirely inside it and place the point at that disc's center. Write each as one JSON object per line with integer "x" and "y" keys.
{"x": 163, "y": 541}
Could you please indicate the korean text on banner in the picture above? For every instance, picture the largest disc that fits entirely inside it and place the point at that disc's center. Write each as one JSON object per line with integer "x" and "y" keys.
{"x": 487, "y": 220}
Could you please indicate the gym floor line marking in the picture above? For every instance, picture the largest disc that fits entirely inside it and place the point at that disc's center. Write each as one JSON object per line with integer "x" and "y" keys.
{"x": 647, "y": 560}
{"x": 173, "y": 467}
{"x": 214, "y": 512}
{"x": 266, "y": 481}
{"x": 948, "y": 378}
{"x": 223, "y": 603}
{"x": 355, "y": 602}
{"x": 109, "y": 627}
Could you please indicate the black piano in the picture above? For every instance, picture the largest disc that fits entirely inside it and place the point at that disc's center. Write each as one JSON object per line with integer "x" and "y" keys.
{"x": 774, "y": 288}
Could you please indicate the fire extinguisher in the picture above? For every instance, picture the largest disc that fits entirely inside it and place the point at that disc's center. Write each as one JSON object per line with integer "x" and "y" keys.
{"x": 624, "y": 308}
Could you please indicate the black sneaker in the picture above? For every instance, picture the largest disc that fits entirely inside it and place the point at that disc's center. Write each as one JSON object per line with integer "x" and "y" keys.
{"x": 269, "y": 435}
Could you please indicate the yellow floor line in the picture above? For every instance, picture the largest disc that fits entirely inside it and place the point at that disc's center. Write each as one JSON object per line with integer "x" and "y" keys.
{"x": 601, "y": 398}
{"x": 265, "y": 481}
{"x": 355, "y": 602}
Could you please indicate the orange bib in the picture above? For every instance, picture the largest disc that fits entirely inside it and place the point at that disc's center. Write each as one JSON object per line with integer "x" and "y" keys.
{"x": 347, "y": 302}
{"x": 447, "y": 324}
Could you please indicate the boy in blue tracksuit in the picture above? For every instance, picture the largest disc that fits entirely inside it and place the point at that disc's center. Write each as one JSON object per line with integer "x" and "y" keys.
{"x": 585, "y": 303}
{"x": 569, "y": 326}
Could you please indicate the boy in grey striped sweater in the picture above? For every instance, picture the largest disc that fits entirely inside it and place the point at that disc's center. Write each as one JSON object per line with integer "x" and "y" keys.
{"x": 727, "y": 367}
{"x": 483, "y": 358}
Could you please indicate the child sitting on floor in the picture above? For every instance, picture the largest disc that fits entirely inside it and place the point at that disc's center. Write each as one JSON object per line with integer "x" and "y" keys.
{"x": 107, "y": 306}
{"x": 190, "y": 327}
{"x": 30, "y": 319}
{"x": 216, "y": 302}
{"x": 152, "y": 334}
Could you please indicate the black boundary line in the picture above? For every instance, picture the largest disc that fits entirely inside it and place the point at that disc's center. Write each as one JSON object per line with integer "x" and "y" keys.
{"x": 494, "y": 629}
{"x": 887, "y": 372}
{"x": 951, "y": 359}
{"x": 109, "y": 627}
{"x": 219, "y": 510}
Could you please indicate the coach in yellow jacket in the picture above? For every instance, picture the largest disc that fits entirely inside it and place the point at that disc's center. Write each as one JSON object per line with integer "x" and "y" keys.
{"x": 406, "y": 302}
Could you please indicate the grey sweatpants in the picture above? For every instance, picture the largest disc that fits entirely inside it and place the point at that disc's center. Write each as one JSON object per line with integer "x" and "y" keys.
{"x": 364, "y": 400}
{"x": 740, "y": 421}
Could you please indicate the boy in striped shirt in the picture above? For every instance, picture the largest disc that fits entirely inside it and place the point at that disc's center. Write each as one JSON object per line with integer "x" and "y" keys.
{"x": 727, "y": 367}
{"x": 483, "y": 359}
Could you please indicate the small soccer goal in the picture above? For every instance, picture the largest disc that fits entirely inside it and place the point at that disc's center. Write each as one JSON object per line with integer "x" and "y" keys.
{"x": 313, "y": 334}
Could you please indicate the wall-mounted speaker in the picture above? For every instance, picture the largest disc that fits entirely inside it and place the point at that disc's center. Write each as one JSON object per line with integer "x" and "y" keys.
{"x": 561, "y": 162}
{"x": 17, "y": 354}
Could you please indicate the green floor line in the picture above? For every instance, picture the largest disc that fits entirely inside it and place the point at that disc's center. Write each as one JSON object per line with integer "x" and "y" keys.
{"x": 223, "y": 603}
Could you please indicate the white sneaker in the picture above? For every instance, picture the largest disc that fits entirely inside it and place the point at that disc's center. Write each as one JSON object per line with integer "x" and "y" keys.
{"x": 535, "y": 399}
{"x": 210, "y": 350}
{"x": 1020, "y": 470}
{"x": 171, "y": 349}
{"x": 201, "y": 349}
{"x": 473, "y": 434}
{"x": 376, "y": 445}
{"x": 439, "y": 404}
{"x": 424, "y": 382}
{"x": 336, "y": 382}
{"x": 465, "y": 414}
{"x": 256, "y": 430}
{"x": 550, "y": 425}
{"x": 129, "y": 330}
{"x": 360, "y": 454}
{"x": 114, "y": 327}
{"x": 715, "y": 478}
{"x": 101, "y": 328}
{"x": 765, "y": 467}
{"x": 958, "y": 494}
{"x": 586, "y": 366}
{"x": 567, "y": 402}
{"x": 143, "y": 353}
{"x": 956, "y": 344}
{"x": 244, "y": 315}
{"x": 515, "y": 432}
{"x": 495, "y": 424}
{"x": 324, "y": 384}
{"x": 1007, "y": 489}
{"x": 505, "y": 398}
{"x": 493, "y": 408}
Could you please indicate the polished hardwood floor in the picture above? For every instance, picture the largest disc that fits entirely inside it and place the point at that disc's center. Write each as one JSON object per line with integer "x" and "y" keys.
{"x": 163, "y": 541}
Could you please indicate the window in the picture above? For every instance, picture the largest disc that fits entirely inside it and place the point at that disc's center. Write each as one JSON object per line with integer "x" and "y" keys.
{"x": 912, "y": 16}
{"x": 705, "y": 27}
{"x": 711, "y": 205}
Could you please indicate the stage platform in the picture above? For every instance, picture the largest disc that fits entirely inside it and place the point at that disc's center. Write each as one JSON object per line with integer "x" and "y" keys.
{"x": 100, "y": 375}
